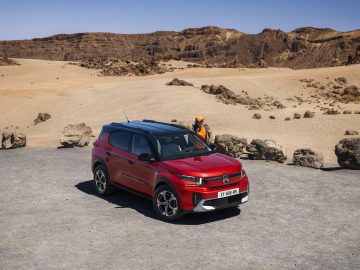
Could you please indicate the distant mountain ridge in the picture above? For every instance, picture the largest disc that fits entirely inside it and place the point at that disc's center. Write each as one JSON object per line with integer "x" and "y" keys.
{"x": 306, "y": 47}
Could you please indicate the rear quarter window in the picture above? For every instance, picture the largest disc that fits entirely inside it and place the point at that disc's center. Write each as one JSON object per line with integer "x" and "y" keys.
{"x": 121, "y": 140}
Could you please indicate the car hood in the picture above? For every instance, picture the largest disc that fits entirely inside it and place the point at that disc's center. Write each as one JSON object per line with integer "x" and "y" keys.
{"x": 204, "y": 166}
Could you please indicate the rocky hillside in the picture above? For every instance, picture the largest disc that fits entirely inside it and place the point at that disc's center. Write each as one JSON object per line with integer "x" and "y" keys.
{"x": 302, "y": 48}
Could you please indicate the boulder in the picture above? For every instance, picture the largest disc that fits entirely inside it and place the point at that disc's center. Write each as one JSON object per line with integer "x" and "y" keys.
{"x": 256, "y": 116}
{"x": 308, "y": 158}
{"x": 76, "y": 135}
{"x": 230, "y": 145}
{"x": 11, "y": 140}
{"x": 309, "y": 114}
{"x": 351, "y": 132}
{"x": 179, "y": 82}
{"x": 266, "y": 149}
{"x": 348, "y": 153}
{"x": 42, "y": 117}
{"x": 352, "y": 91}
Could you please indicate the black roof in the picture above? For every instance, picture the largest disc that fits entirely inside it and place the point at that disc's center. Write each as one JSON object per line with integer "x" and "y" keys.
{"x": 147, "y": 127}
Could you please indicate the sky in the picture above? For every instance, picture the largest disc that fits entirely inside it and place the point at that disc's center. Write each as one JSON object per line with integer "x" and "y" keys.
{"x": 20, "y": 19}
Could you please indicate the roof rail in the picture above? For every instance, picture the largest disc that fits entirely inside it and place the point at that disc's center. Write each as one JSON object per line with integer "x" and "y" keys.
{"x": 163, "y": 123}
{"x": 129, "y": 127}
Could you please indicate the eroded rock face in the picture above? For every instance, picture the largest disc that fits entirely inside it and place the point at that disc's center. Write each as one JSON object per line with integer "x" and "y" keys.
{"x": 179, "y": 82}
{"x": 230, "y": 145}
{"x": 11, "y": 140}
{"x": 76, "y": 135}
{"x": 348, "y": 153}
{"x": 308, "y": 158}
{"x": 266, "y": 149}
{"x": 42, "y": 117}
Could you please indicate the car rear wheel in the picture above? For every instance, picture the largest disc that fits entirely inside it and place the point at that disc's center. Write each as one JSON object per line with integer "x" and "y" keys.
{"x": 101, "y": 181}
{"x": 166, "y": 203}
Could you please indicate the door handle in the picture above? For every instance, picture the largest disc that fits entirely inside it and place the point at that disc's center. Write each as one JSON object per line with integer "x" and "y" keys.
{"x": 131, "y": 162}
{"x": 107, "y": 154}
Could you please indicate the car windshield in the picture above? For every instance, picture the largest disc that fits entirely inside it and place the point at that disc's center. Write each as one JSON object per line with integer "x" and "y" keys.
{"x": 176, "y": 146}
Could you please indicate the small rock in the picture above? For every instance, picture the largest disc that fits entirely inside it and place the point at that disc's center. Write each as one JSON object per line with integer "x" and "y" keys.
{"x": 256, "y": 116}
{"x": 309, "y": 114}
{"x": 272, "y": 117}
{"x": 42, "y": 117}
{"x": 308, "y": 158}
{"x": 297, "y": 115}
{"x": 179, "y": 82}
{"x": 287, "y": 118}
{"x": 347, "y": 112}
{"x": 351, "y": 132}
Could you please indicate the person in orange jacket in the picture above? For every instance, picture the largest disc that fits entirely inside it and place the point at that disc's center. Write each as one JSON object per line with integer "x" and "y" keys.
{"x": 202, "y": 129}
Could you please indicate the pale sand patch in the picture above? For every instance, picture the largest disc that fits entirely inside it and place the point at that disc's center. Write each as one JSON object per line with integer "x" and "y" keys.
{"x": 78, "y": 95}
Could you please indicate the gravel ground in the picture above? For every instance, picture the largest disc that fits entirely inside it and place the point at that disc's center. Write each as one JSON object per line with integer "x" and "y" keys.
{"x": 51, "y": 218}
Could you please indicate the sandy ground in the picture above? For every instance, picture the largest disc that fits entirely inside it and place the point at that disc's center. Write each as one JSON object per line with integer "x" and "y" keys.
{"x": 72, "y": 94}
{"x": 51, "y": 218}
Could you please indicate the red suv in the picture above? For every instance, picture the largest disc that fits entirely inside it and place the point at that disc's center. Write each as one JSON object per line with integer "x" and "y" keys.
{"x": 168, "y": 164}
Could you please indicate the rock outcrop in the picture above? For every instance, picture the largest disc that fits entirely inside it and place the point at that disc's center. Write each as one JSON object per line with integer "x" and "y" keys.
{"x": 76, "y": 135}
{"x": 116, "y": 67}
{"x": 267, "y": 150}
{"x": 42, "y": 117}
{"x": 308, "y": 158}
{"x": 230, "y": 145}
{"x": 11, "y": 140}
{"x": 348, "y": 153}
{"x": 4, "y": 61}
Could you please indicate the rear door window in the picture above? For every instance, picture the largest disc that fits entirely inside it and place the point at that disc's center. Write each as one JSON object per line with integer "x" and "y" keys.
{"x": 121, "y": 140}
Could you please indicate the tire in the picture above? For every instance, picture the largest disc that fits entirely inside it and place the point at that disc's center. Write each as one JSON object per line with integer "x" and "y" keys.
{"x": 166, "y": 203}
{"x": 101, "y": 181}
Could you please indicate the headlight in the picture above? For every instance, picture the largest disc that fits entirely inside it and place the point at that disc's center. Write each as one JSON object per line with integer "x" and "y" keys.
{"x": 198, "y": 181}
{"x": 243, "y": 173}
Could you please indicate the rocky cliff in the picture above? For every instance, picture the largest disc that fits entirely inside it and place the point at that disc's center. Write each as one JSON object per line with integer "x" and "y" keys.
{"x": 302, "y": 48}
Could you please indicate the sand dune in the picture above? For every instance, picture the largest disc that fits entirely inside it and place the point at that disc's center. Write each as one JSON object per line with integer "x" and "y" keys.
{"x": 72, "y": 94}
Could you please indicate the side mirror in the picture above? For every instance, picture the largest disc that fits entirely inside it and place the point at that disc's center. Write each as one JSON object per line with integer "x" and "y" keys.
{"x": 212, "y": 146}
{"x": 145, "y": 157}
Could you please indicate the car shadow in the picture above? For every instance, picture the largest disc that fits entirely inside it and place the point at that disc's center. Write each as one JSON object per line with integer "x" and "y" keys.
{"x": 124, "y": 199}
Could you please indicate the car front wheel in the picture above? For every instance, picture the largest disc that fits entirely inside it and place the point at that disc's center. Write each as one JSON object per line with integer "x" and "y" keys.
{"x": 166, "y": 203}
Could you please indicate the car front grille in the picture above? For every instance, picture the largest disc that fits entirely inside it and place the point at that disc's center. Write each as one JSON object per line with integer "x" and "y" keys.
{"x": 223, "y": 186}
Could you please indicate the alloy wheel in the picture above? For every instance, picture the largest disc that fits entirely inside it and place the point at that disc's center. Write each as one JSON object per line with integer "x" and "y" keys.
{"x": 167, "y": 203}
{"x": 100, "y": 181}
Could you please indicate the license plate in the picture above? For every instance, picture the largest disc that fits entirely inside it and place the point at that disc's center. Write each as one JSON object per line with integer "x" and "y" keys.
{"x": 227, "y": 193}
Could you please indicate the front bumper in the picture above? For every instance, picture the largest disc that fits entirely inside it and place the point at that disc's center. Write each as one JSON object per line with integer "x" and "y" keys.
{"x": 202, "y": 199}
{"x": 215, "y": 204}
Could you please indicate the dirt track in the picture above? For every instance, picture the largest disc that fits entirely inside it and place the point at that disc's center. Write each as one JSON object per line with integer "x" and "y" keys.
{"x": 50, "y": 218}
